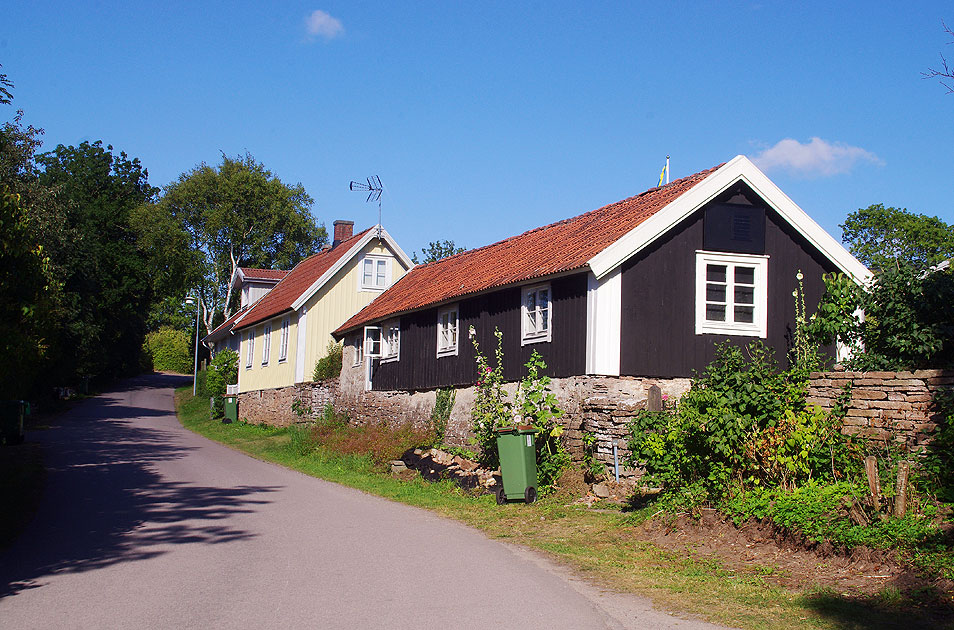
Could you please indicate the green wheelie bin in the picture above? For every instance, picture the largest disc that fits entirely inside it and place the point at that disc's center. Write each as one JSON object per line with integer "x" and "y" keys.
{"x": 231, "y": 409}
{"x": 11, "y": 421}
{"x": 518, "y": 464}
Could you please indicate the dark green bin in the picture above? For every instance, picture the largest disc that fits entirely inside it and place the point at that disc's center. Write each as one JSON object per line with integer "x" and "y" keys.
{"x": 12, "y": 413}
{"x": 231, "y": 409}
{"x": 518, "y": 464}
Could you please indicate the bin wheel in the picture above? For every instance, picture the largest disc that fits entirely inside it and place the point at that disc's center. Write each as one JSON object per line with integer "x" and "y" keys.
{"x": 501, "y": 496}
{"x": 530, "y": 494}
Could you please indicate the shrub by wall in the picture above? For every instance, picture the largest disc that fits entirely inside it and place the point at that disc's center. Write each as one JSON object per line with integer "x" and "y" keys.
{"x": 167, "y": 350}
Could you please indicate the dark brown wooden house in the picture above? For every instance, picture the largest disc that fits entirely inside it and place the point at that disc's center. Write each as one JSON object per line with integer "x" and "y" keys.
{"x": 643, "y": 287}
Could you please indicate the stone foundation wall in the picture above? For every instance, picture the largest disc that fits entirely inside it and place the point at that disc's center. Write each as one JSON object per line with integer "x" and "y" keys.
{"x": 885, "y": 406}
{"x": 275, "y": 407}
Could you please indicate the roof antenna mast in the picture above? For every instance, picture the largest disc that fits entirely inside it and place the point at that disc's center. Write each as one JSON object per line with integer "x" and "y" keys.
{"x": 374, "y": 190}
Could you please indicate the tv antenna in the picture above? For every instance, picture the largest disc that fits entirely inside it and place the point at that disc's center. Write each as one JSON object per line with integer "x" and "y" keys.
{"x": 374, "y": 188}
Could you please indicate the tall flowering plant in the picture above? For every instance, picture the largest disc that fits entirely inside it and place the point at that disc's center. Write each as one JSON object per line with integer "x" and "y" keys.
{"x": 491, "y": 407}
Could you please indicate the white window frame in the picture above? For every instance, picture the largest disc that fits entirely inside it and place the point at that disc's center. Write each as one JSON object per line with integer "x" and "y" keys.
{"x": 391, "y": 341}
{"x": 533, "y": 334}
{"x": 250, "y": 358}
{"x": 377, "y": 263}
{"x": 448, "y": 337}
{"x": 266, "y": 343}
{"x": 283, "y": 344}
{"x": 759, "y": 325}
{"x": 358, "y": 351}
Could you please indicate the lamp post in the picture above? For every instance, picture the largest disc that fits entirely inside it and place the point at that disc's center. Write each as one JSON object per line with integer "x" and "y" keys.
{"x": 195, "y": 368}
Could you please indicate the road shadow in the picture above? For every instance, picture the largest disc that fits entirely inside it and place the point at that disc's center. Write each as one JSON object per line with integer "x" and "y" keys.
{"x": 105, "y": 502}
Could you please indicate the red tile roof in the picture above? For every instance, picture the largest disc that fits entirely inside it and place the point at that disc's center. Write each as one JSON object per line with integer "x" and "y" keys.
{"x": 226, "y": 325}
{"x": 551, "y": 249}
{"x": 298, "y": 280}
{"x": 252, "y": 273}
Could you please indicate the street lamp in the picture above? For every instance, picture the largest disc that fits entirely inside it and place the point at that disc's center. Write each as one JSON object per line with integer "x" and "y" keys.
{"x": 195, "y": 368}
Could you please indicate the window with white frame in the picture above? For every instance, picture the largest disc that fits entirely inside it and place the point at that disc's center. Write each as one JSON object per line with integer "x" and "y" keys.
{"x": 731, "y": 294}
{"x": 266, "y": 343}
{"x": 536, "y": 314}
{"x": 392, "y": 341}
{"x": 358, "y": 351}
{"x": 374, "y": 273}
{"x": 251, "y": 349}
{"x": 447, "y": 331}
{"x": 283, "y": 345}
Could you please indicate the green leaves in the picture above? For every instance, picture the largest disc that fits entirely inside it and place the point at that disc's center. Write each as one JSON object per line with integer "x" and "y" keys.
{"x": 236, "y": 214}
{"x": 884, "y": 238}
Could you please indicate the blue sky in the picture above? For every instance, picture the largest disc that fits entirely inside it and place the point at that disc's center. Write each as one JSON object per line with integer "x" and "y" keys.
{"x": 485, "y": 119}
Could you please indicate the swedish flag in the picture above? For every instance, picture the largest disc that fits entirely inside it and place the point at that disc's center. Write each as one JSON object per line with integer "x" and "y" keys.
{"x": 661, "y": 176}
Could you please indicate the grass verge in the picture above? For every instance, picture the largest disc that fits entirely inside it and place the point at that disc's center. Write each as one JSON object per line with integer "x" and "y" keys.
{"x": 604, "y": 546}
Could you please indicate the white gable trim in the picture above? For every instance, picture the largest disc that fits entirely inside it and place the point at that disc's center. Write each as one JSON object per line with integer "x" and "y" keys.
{"x": 351, "y": 253}
{"x": 740, "y": 168}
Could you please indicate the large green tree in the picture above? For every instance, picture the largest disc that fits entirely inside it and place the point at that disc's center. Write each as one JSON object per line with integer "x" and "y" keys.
{"x": 107, "y": 290}
{"x": 214, "y": 219}
{"x": 885, "y": 238}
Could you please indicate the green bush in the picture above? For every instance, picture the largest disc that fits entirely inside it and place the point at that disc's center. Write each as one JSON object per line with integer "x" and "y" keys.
{"x": 223, "y": 371}
{"x": 741, "y": 422}
{"x": 168, "y": 350}
{"x": 329, "y": 366}
{"x": 908, "y": 319}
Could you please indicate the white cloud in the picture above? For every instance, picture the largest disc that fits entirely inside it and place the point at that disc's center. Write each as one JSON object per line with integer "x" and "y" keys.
{"x": 320, "y": 24}
{"x": 818, "y": 158}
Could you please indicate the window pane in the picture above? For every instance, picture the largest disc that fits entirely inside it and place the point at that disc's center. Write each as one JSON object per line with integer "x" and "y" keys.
{"x": 544, "y": 298}
{"x": 715, "y": 273}
{"x": 382, "y": 267}
{"x": 531, "y": 301}
{"x": 745, "y": 275}
{"x": 715, "y": 313}
{"x": 745, "y": 314}
{"x": 544, "y": 320}
{"x": 715, "y": 293}
{"x": 368, "y": 266}
{"x": 531, "y": 321}
{"x": 744, "y": 295}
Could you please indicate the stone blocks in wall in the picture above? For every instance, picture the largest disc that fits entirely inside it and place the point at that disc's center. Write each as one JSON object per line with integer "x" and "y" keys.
{"x": 887, "y": 407}
{"x": 275, "y": 407}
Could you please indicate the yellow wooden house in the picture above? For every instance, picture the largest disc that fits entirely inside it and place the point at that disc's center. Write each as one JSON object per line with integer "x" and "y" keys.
{"x": 287, "y": 330}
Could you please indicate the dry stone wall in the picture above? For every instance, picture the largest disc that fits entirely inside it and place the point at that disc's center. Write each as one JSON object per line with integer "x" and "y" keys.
{"x": 275, "y": 407}
{"x": 886, "y": 407}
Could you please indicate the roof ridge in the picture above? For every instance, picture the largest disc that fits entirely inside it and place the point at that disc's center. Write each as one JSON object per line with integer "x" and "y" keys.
{"x": 705, "y": 172}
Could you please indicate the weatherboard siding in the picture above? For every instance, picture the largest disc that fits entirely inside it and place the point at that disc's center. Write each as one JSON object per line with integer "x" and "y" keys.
{"x": 276, "y": 373}
{"x": 419, "y": 366}
{"x": 658, "y": 299}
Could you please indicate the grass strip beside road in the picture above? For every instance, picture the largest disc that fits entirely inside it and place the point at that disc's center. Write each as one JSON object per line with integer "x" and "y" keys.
{"x": 602, "y": 545}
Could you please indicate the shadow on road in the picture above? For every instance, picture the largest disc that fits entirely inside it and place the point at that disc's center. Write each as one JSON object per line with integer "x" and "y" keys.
{"x": 106, "y": 504}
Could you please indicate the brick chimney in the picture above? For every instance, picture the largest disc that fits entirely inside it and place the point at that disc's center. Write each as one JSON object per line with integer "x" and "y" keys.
{"x": 343, "y": 231}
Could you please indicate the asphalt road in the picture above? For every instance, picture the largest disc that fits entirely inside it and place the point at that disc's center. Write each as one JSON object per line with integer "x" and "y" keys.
{"x": 147, "y": 525}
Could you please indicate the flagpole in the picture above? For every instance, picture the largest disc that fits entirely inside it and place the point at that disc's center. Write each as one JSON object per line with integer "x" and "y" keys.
{"x": 667, "y": 169}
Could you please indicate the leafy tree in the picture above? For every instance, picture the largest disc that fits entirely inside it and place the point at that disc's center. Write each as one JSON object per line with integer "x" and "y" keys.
{"x": 889, "y": 237}
{"x": 220, "y": 218}
{"x": 26, "y": 283}
{"x": 908, "y": 322}
{"x": 93, "y": 247}
{"x": 437, "y": 250}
